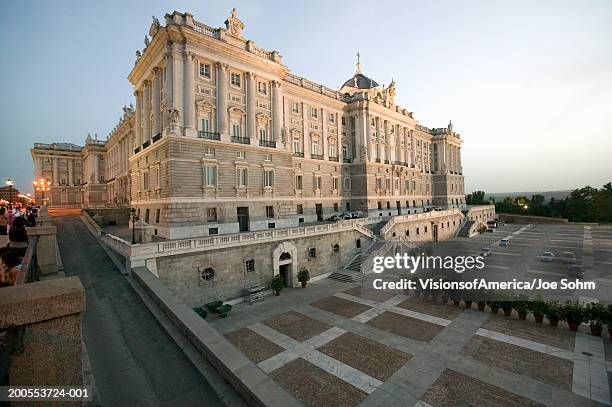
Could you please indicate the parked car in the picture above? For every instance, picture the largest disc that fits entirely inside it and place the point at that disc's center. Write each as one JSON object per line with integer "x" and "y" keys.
{"x": 568, "y": 258}
{"x": 575, "y": 271}
{"x": 491, "y": 224}
{"x": 346, "y": 215}
{"x": 485, "y": 251}
{"x": 547, "y": 256}
{"x": 504, "y": 242}
{"x": 357, "y": 214}
{"x": 335, "y": 217}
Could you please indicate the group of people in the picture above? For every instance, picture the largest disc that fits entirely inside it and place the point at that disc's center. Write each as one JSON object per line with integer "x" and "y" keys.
{"x": 13, "y": 221}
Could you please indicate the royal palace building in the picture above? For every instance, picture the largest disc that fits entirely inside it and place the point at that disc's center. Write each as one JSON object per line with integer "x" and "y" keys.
{"x": 224, "y": 138}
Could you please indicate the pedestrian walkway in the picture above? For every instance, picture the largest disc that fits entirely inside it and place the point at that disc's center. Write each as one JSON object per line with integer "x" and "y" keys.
{"x": 134, "y": 361}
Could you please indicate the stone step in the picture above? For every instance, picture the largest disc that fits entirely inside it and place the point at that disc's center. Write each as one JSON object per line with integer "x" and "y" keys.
{"x": 346, "y": 277}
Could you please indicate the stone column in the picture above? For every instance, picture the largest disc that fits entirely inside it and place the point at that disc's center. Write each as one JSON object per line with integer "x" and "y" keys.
{"x": 378, "y": 134}
{"x": 367, "y": 135}
{"x": 222, "y": 119}
{"x": 146, "y": 111}
{"x": 70, "y": 172}
{"x": 189, "y": 97}
{"x": 459, "y": 166}
{"x": 177, "y": 86}
{"x": 251, "y": 127}
{"x": 55, "y": 171}
{"x": 339, "y": 138}
{"x": 307, "y": 145}
{"x": 412, "y": 149}
{"x": 138, "y": 95}
{"x": 169, "y": 79}
{"x": 157, "y": 83}
{"x": 387, "y": 147}
{"x": 39, "y": 168}
{"x": 96, "y": 169}
{"x": 398, "y": 143}
{"x": 276, "y": 111}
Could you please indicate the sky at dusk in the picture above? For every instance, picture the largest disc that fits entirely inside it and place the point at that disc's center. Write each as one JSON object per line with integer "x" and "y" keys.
{"x": 527, "y": 84}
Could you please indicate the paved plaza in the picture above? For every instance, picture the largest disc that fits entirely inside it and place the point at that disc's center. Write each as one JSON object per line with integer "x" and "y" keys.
{"x": 339, "y": 344}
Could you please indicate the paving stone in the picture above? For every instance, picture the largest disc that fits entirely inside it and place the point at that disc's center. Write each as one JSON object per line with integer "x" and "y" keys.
{"x": 371, "y": 294}
{"x": 373, "y": 358}
{"x": 455, "y": 389}
{"x": 297, "y": 326}
{"x": 406, "y": 326}
{"x": 315, "y": 387}
{"x": 542, "y": 333}
{"x": 340, "y": 306}
{"x": 253, "y": 345}
{"x": 516, "y": 359}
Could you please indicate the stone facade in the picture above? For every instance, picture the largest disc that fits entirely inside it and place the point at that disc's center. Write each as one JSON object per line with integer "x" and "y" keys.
{"x": 228, "y": 140}
{"x": 95, "y": 175}
{"x": 231, "y": 274}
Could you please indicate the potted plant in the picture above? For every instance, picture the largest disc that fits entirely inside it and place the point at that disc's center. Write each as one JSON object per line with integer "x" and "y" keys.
{"x": 521, "y": 305}
{"x": 494, "y": 306}
{"x": 277, "y": 284}
{"x": 595, "y": 313}
{"x": 552, "y": 310}
{"x": 303, "y": 276}
{"x": 481, "y": 305}
{"x": 573, "y": 313}
{"x": 538, "y": 306}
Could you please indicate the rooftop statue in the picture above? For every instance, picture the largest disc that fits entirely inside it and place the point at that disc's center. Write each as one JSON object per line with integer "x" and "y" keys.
{"x": 155, "y": 26}
{"x": 234, "y": 25}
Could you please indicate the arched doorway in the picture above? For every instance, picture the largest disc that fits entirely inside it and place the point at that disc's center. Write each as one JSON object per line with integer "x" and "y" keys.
{"x": 283, "y": 260}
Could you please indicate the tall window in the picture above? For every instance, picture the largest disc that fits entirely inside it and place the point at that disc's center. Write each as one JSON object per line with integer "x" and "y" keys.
{"x": 344, "y": 155}
{"x": 235, "y": 79}
{"x": 335, "y": 183}
{"x": 236, "y": 130}
{"x": 315, "y": 147}
{"x": 347, "y": 184}
{"x": 205, "y": 70}
{"x": 314, "y": 112}
{"x": 210, "y": 176}
{"x": 318, "y": 183}
{"x": 300, "y": 209}
{"x": 296, "y": 145}
{"x": 298, "y": 182}
{"x": 333, "y": 150}
{"x": 332, "y": 118}
{"x": 262, "y": 88}
{"x": 206, "y": 124}
{"x": 295, "y": 107}
{"x": 242, "y": 177}
{"x": 263, "y": 134}
{"x": 270, "y": 211}
{"x": 268, "y": 178}
{"x": 211, "y": 214}
{"x": 145, "y": 181}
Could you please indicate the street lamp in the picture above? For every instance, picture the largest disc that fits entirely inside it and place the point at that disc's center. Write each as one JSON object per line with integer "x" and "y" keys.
{"x": 133, "y": 213}
{"x": 9, "y": 184}
{"x": 42, "y": 186}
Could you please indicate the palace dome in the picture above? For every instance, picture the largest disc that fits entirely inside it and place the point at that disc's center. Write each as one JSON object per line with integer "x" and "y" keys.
{"x": 360, "y": 81}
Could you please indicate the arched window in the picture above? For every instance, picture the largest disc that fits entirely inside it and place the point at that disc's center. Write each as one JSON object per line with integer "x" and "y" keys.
{"x": 207, "y": 273}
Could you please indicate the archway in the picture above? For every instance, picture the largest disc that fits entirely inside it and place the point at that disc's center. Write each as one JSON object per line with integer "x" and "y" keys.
{"x": 284, "y": 258}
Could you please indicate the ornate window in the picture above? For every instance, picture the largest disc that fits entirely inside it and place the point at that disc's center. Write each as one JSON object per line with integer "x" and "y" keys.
{"x": 235, "y": 79}
{"x": 268, "y": 178}
{"x": 204, "y": 70}
{"x": 206, "y": 274}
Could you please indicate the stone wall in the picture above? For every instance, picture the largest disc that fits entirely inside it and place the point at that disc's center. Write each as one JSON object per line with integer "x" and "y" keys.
{"x": 506, "y": 217}
{"x": 182, "y": 273}
{"x": 120, "y": 216}
{"x": 424, "y": 229}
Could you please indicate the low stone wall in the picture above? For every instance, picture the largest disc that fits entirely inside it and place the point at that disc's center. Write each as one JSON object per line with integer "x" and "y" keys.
{"x": 422, "y": 229}
{"x": 46, "y": 316}
{"x": 512, "y": 218}
{"x": 256, "y": 388}
{"x": 181, "y": 273}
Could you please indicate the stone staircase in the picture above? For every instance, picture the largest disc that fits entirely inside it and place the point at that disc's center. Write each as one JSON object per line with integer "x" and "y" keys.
{"x": 352, "y": 272}
{"x": 464, "y": 231}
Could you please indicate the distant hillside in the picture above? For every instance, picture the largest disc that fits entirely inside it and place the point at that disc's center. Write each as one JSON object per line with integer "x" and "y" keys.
{"x": 547, "y": 195}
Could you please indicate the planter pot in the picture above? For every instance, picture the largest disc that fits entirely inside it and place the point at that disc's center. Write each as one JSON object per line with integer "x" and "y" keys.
{"x": 304, "y": 283}
{"x": 553, "y": 321}
{"x": 539, "y": 317}
{"x": 573, "y": 325}
{"x": 522, "y": 314}
{"x": 456, "y": 302}
{"x": 481, "y": 306}
{"x": 468, "y": 304}
{"x": 494, "y": 309}
{"x": 507, "y": 311}
{"x": 277, "y": 292}
{"x": 596, "y": 329}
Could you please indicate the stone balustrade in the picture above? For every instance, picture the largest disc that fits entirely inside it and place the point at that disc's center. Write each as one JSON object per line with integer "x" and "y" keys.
{"x": 417, "y": 216}
{"x": 40, "y": 333}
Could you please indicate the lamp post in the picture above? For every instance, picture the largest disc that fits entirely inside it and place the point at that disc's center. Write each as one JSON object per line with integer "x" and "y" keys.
{"x": 42, "y": 186}
{"x": 9, "y": 184}
{"x": 133, "y": 213}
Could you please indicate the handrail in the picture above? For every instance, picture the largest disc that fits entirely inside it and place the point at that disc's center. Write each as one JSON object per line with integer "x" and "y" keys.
{"x": 28, "y": 272}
